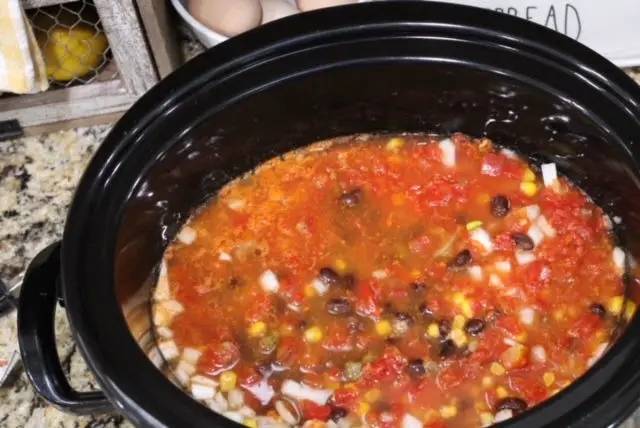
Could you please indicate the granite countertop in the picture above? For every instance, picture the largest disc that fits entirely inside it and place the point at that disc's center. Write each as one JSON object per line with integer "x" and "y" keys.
{"x": 37, "y": 179}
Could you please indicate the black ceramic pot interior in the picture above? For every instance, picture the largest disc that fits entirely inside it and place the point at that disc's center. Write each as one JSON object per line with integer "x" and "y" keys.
{"x": 386, "y": 78}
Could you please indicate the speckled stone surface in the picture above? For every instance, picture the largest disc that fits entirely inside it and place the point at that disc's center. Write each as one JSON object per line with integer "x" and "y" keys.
{"x": 37, "y": 181}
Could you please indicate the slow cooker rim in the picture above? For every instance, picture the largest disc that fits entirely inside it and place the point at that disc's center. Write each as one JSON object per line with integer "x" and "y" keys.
{"x": 96, "y": 178}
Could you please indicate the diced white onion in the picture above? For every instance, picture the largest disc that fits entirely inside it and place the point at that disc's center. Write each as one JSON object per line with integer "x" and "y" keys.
{"x": 618, "y": 258}
{"x": 483, "y": 238}
{"x": 169, "y": 350}
{"x": 509, "y": 341}
{"x": 303, "y": 392}
{"x": 204, "y": 380}
{"x": 187, "y": 235}
{"x": 221, "y": 401}
{"x": 527, "y": 316}
{"x": 549, "y": 174}
{"x": 155, "y": 357}
{"x": 162, "y": 291}
{"x": 191, "y": 355}
{"x": 202, "y": 392}
{"x": 173, "y": 307}
{"x": 186, "y": 368}
{"x": 546, "y": 227}
{"x": 320, "y": 286}
{"x": 269, "y": 281}
{"x": 448, "y": 152}
{"x": 536, "y": 234}
{"x": 495, "y": 280}
{"x": 285, "y": 414}
{"x": 379, "y": 274}
{"x": 504, "y": 266}
{"x": 532, "y": 211}
{"x": 525, "y": 257}
{"x": 247, "y": 412}
{"x": 410, "y": 421}
{"x": 235, "y": 397}
{"x": 539, "y": 354}
{"x": 475, "y": 272}
{"x": 234, "y": 416}
{"x": 617, "y": 219}
{"x": 164, "y": 332}
{"x": 509, "y": 153}
{"x": 262, "y": 390}
{"x": 181, "y": 376}
{"x": 607, "y": 222}
{"x": 225, "y": 257}
{"x": 503, "y": 415}
{"x": 598, "y": 353}
{"x": 545, "y": 273}
{"x": 236, "y": 204}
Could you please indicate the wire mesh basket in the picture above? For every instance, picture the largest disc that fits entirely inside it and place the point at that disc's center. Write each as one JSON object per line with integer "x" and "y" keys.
{"x": 73, "y": 43}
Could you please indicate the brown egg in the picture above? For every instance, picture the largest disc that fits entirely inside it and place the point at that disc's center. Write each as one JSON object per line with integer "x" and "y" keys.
{"x": 276, "y": 9}
{"x": 227, "y": 17}
{"x": 306, "y": 5}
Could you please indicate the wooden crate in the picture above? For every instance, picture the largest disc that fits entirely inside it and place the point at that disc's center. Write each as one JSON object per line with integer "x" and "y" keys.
{"x": 142, "y": 49}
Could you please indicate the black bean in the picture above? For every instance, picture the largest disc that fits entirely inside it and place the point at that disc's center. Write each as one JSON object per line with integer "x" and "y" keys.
{"x": 329, "y": 276}
{"x": 460, "y": 261}
{"x": 355, "y": 325}
{"x": 517, "y": 405}
{"x": 339, "y": 306}
{"x": 234, "y": 283}
{"x": 447, "y": 349}
{"x": 523, "y": 241}
{"x": 598, "y": 309}
{"x": 500, "y": 206}
{"x": 445, "y": 327}
{"x": 416, "y": 368}
{"x": 302, "y": 325}
{"x": 474, "y": 326}
{"x": 338, "y": 413}
{"x": 424, "y": 310}
{"x": 418, "y": 287}
{"x": 351, "y": 198}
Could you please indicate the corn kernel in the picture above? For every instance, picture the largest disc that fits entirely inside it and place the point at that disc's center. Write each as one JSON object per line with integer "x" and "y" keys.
{"x": 522, "y": 337}
{"x": 313, "y": 335}
{"x": 341, "y": 266}
{"x": 528, "y": 175}
{"x": 458, "y": 337}
{"x": 497, "y": 369}
{"x": 558, "y": 315}
{"x": 433, "y": 330}
{"x": 473, "y": 225}
{"x": 467, "y": 310}
{"x": 395, "y": 144}
{"x": 251, "y": 423}
{"x": 501, "y": 392}
{"x": 372, "y": 395}
{"x": 228, "y": 381}
{"x": 364, "y": 408}
{"x": 486, "y": 418}
{"x": 549, "y": 379}
{"x": 257, "y": 329}
{"x": 458, "y": 322}
{"x": 615, "y": 305}
{"x": 458, "y": 298}
{"x": 529, "y": 188}
{"x": 415, "y": 274}
{"x": 310, "y": 290}
{"x": 487, "y": 381}
{"x": 448, "y": 412}
{"x": 630, "y": 310}
{"x": 331, "y": 384}
{"x": 383, "y": 328}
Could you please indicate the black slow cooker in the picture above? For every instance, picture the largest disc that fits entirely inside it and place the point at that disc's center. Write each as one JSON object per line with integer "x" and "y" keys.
{"x": 382, "y": 66}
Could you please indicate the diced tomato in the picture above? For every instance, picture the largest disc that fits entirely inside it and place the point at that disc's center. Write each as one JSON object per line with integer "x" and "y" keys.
{"x": 288, "y": 351}
{"x": 338, "y": 339}
{"x": 366, "y": 303}
{"x": 586, "y": 326}
{"x": 292, "y": 291}
{"x": 532, "y": 390}
{"x": 247, "y": 375}
{"x": 492, "y": 164}
{"x": 219, "y": 357}
{"x": 450, "y": 378}
{"x": 311, "y": 410}
{"x": 510, "y": 324}
{"x": 346, "y": 398}
{"x": 260, "y": 309}
{"x": 385, "y": 368}
{"x": 436, "y": 424}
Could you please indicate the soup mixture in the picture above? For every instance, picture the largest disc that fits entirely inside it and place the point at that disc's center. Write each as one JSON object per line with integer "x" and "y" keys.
{"x": 389, "y": 281}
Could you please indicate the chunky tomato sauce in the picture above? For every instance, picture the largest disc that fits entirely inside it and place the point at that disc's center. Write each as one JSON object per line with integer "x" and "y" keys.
{"x": 376, "y": 281}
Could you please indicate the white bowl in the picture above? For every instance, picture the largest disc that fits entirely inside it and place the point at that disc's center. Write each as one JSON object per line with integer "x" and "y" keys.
{"x": 205, "y": 35}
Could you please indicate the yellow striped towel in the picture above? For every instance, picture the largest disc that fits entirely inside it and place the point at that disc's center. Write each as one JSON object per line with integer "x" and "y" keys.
{"x": 22, "y": 69}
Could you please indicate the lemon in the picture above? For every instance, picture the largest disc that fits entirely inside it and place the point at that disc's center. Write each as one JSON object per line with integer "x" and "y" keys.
{"x": 71, "y": 53}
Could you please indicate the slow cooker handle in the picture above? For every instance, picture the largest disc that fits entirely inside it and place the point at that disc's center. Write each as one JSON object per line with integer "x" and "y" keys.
{"x": 36, "y": 335}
